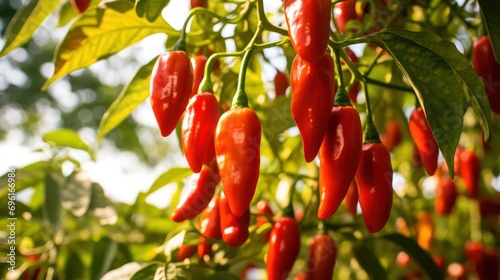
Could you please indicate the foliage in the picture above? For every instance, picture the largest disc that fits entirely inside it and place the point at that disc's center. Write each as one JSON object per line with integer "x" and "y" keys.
{"x": 411, "y": 52}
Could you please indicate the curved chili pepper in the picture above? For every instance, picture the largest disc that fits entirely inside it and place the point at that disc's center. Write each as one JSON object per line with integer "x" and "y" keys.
{"x": 284, "y": 246}
{"x": 171, "y": 84}
{"x": 200, "y": 196}
{"x": 374, "y": 178}
{"x": 339, "y": 158}
{"x": 470, "y": 169}
{"x": 322, "y": 257}
{"x": 198, "y": 62}
{"x": 313, "y": 90}
{"x": 483, "y": 60}
{"x": 198, "y": 129}
{"x": 234, "y": 229}
{"x": 280, "y": 83}
{"x": 424, "y": 139}
{"x": 186, "y": 251}
{"x": 308, "y": 23}
{"x": 446, "y": 195}
{"x": 351, "y": 198}
{"x": 209, "y": 226}
{"x": 265, "y": 214}
{"x": 237, "y": 149}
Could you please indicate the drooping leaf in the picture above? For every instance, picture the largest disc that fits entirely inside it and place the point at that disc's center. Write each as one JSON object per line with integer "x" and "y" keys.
{"x": 66, "y": 14}
{"x": 25, "y": 22}
{"x": 416, "y": 252}
{"x": 102, "y": 257}
{"x": 132, "y": 95}
{"x": 173, "y": 175}
{"x": 435, "y": 82}
{"x": 125, "y": 271}
{"x": 52, "y": 193}
{"x": 67, "y": 138}
{"x": 76, "y": 193}
{"x": 490, "y": 9}
{"x": 101, "y": 32}
{"x": 150, "y": 8}
{"x": 369, "y": 262}
{"x": 147, "y": 272}
{"x": 101, "y": 207}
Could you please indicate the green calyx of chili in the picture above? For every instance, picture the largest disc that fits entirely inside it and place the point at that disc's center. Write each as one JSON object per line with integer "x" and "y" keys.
{"x": 240, "y": 99}
{"x": 371, "y": 133}
{"x": 341, "y": 97}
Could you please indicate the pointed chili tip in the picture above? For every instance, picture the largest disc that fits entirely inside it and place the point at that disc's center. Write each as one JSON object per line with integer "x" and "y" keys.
{"x": 176, "y": 217}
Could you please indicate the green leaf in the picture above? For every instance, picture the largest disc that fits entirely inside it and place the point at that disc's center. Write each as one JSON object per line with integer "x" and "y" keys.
{"x": 123, "y": 272}
{"x": 150, "y": 8}
{"x": 490, "y": 9}
{"x": 52, "y": 193}
{"x": 76, "y": 193}
{"x": 67, "y": 138}
{"x": 101, "y": 207}
{"x": 171, "y": 176}
{"x": 25, "y": 22}
{"x": 416, "y": 252}
{"x": 66, "y": 14}
{"x": 74, "y": 266}
{"x": 25, "y": 177}
{"x": 435, "y": 82}
{"x": 101, "y": 32}
{"x": 147, "y": 272}
{"x": 102, "y": 257}
{"x": 133, "y": 94}
{"x": 369, "y": 262}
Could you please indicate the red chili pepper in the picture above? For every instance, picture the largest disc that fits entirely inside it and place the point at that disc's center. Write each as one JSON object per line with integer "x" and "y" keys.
{"x": 308, "y": 24}
{"x": 209, "y": 226}
{"x": 425, "y": 231}
{"x": 198, "y": 130}
{"x": 446, "y": 195}
{"x": 200, "y": 196}
{"x": 313, "y": 90}
{"x": 374, "y": 178}
{"x": 484, "y": 260}
{"x": 322, "y": 257}
{"x": 237, "y": 148}
{"x": 265, "y": 215}
{"x": 198, "y": 62}
{"x": 171, "y": 84}
{"x": 351, "y": 198}
{"x": 344, "y": 12}
{"x": 424, "y": 139}
{"x": 186, "y": 251}
{"x": 284, "y": 246}
{"x": 470, "y": 169}
{"x": 280, "y": 83}
{"x": 489, "y": 207}
{"x": 486, "y": 66}
{"x": 80, "y": 5}
{"x": 393, "y": 135}
{"x": 234, "y": 229}
{"x": 339, "y": 158}
{"x": 198, "y": 3}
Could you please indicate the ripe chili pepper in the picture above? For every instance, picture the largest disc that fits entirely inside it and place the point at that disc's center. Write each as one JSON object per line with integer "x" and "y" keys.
{"x": 374, "y": 178}
{"x": 313, "y": 89}
{"x": 425, "y": 231}
{"x": 484, "y": 260}
{"x": 198, "y": 62}
{"x": 237, "y": 148}
{"x": 185, "y": 251}
{"x": 321, "y": 258}
{"x": 234, "y": 229}
{"x": 308, "y": 25}
{"x": 339, "y": 158}
{"x": 470, "y": 169}
{"x": 171, "y": 84}
{"x": 284, "y": 246}
{"x": 198, "y": 129}
{"x": 209, "y": 226}
{"x": 446, "y": 195}
{"x": 198, "y": 3}
{"x": 424, "y": 139}
{"x": 393, "y": 135}
{"x": 351, "y": 198}
{"x": 344, "y": 12}
{"x": 265, "y": 215}
{"x": 483, "y": 60}
{"x": 200, "y": 196}
{"x": 80, "y": 5}
{"x": 280, "y": 83}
